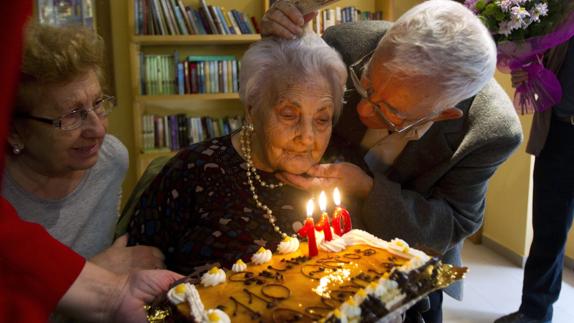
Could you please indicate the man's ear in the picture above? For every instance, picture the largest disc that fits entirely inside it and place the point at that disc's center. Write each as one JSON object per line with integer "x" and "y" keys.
{"x": 449, "y": 114}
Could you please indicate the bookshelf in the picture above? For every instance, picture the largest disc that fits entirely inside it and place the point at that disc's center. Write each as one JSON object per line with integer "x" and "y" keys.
{"x": 214, "y": 105}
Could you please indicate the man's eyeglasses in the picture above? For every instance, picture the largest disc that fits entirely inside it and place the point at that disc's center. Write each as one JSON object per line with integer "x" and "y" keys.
{"x": 73, "y": 120}
{"x": 355, "y": 71}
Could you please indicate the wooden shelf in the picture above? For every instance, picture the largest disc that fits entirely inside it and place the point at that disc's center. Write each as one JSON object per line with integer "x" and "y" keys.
{"x": 187, "y": 97}
{"x": 220, "y": 104}
{"x": 196, "y": 40}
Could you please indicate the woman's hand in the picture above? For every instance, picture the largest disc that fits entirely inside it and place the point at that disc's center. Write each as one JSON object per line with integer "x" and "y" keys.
{"x": 99, "y": 295}
{"x": 122, "y": 259}
{"x": 284, "y": 20}
{"x": 518, "y": 77}
{"x": 348, "y": 177}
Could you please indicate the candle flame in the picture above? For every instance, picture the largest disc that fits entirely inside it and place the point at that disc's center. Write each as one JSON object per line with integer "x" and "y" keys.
{"x": 337, "y": 196}
{"x": 323, "y": 201}
{"x": 310, "y": 207}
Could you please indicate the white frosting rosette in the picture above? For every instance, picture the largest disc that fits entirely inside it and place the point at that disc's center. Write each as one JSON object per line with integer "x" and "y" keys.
{"x": 261, "y": 256}
{"x": 335, "y": 245}
{"x": 213, "y": 277}
{"x": 288, "y": 245}
{"x": 239, "y": 266}
{"x": 217, "y": 316}
{"x": 178, "y": 294}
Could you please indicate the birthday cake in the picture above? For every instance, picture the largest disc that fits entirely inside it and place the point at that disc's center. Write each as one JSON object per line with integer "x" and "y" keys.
{"x": 354, "y": 278}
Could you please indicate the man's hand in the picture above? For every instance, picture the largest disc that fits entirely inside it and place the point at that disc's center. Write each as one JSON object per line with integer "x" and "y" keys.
{"x": 284, "y": 20}
{"x": 121, "y": 259}
{"x": 350, "y": 178}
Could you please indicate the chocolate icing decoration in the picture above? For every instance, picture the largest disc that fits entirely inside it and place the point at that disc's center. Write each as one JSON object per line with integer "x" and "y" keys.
{"x": 326, "y": 301}
{"x": 280, "y": 286}
{"x": 268, "y": 303}
{"x": 352, "y": 256}
{"x": 369, "y": 252}
{"x": 310, "y": 274}
{"x": 331, "y": 259}
{"x": 246, "y": 276}
{"x": 280, "y": 315}
{"x": 254, "y": 314}
{"x": 278, "y": 269}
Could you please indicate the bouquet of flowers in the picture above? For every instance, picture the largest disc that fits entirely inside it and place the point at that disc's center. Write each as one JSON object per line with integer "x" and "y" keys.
{"x": 524, "y": 30}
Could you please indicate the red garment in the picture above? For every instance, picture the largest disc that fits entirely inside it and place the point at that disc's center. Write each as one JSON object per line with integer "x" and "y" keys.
{"x": 35, "y": 269}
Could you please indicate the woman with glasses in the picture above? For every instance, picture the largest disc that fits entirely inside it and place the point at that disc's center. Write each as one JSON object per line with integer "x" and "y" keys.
{"x": 62, "y": 170}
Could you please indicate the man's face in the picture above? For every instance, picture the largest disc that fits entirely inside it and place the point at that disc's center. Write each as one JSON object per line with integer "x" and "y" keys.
{"x": 402, "y": 101}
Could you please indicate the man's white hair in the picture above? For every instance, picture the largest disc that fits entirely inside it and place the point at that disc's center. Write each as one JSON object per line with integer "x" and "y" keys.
{"x": 272, "y": 62}
{"x": 445, "y": 41}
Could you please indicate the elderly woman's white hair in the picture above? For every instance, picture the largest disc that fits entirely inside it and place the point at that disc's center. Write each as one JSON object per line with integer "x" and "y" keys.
{"x": 445, "y": 41}
{"x": 272, "y": 62}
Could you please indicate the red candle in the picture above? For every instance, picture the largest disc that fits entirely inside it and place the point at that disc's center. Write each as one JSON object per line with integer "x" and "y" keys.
{"x": 308, "y": 230}
{"x": 336, "y": 223}
{"x": 323, "y": 224}
{"x": 341, "y": 212}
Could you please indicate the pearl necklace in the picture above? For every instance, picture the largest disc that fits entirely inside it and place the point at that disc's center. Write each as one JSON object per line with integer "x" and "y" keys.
{"x": 245, "y": 140}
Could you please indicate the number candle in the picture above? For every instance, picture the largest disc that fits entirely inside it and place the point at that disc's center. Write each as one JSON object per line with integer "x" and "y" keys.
{"x": 341, "y": 214}
{"x": 308, "y": 230}
{"x": 323, "y": 224}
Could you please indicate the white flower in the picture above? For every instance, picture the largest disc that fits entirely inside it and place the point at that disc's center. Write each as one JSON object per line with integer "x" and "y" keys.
{"x": 539, "y": 10}
{"x": 519, "y": 18}
{"x": 505, "y": 28}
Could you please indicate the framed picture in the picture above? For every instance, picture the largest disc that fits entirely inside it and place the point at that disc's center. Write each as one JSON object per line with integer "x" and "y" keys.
{"x": 66, "y": 12}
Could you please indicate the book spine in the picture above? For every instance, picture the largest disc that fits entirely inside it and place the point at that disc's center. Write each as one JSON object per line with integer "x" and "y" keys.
{"x": 208, "y": 17}
{"x": 221, "y": 17}
{"x": 233, "y": 22}
{"x": 171, "y": 29}
{"x": 180, "y": 8}
{"x": 216, "y": 20}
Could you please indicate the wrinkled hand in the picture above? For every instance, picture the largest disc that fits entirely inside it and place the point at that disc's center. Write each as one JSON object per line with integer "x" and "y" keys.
{"x": 350, "y": 178}
{"x": 518, "y": 77}
{"x": 284, "y": 20}
{"x": 138, "y": 289}
{"x": 121, "y": 259}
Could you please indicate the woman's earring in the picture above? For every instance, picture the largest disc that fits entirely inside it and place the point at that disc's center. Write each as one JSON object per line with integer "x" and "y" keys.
{"x": 17, "y": 148}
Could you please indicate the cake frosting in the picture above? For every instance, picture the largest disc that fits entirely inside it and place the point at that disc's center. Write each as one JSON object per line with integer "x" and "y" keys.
{"x": 288, "y": 245}
{"x": 365, "y": 280}
{"x": 261, "y": 256}
{"x": 213, "y": 277}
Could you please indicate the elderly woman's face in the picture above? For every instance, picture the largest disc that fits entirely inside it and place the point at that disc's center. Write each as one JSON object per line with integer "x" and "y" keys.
{"x": 293, "y": 134}
{"x": 54, "y": 151}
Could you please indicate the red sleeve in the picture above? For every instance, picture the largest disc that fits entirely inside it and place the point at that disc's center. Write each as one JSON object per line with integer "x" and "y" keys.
{"x": 35, "y": 269}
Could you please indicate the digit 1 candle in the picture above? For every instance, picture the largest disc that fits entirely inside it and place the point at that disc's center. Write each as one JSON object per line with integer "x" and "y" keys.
{"x": 308, "y": 230}
{"x": 324, "y": 224}
{"x": 341, "y": 214}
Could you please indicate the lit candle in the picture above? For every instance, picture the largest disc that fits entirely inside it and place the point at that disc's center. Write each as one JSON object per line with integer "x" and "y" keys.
{"x": 308, "y": 230}
{"x": 340, "y": 215}
{"x": 323, "y": 224}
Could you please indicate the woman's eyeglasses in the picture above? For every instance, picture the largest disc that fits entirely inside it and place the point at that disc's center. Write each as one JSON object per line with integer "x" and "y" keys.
{"x": 74, "y": 119}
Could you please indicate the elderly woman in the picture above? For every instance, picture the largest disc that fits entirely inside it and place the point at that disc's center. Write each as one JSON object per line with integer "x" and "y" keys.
{"x": 219, "y": 200}
{"x": 62, "y": 170}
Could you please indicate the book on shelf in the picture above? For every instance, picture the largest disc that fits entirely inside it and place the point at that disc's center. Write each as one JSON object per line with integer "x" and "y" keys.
{"x": 172, "y": 17}
{"x": 168, "y": 75}
{"x": 174, "y": 132}
{"x": 333, "y": 16}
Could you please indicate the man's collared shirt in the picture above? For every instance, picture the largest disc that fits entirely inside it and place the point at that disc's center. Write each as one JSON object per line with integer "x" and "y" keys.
{"x": 384, "y": 148}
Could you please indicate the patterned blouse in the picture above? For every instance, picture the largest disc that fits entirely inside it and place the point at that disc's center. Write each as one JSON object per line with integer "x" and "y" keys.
{"x": 199, "y": 210}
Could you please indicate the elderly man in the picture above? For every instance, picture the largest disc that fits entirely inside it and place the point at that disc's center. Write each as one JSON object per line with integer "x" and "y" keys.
{"x": 426, "y": 117}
